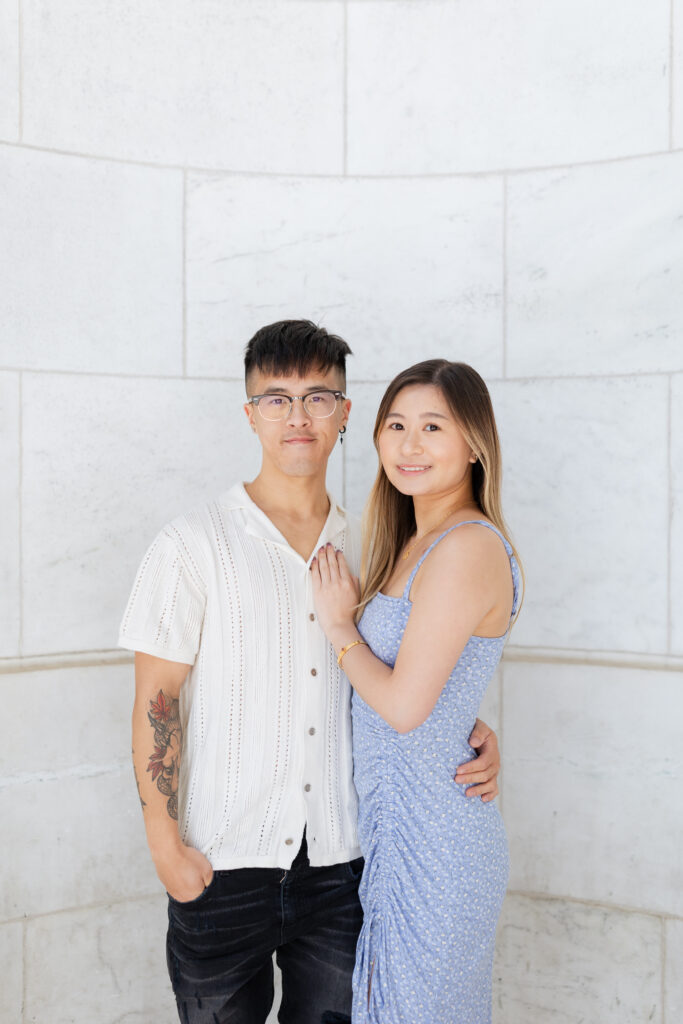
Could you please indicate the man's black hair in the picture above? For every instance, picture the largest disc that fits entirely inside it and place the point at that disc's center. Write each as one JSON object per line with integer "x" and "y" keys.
{"x": 295, "y": 347}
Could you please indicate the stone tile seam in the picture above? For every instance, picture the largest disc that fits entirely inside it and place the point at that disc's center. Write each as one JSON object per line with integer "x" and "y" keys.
{"x": 345, "y": 90}
{"x": 183, "y": 273}
{"x": 28, "y": 919}
{"x": 78, "y": 771}
{"x": 670, "y": 520}
{"x": 504, "y": 297}
{"x": 24, "y": 964}
{"x": 20, "y": 486}
{"x": 672, "y": 72}
{"x": 663, "y": 969}
{"x": 622, "y": 908}
{"x": 20, "y": 70}
{"x": 539, "y": 897}
{"x": 351, "y": 175}
{"x": 540, "y": 379}
{"x": 512, "y": 654}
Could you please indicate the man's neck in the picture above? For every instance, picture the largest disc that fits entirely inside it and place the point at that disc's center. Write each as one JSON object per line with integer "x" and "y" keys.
{"x": 296, "y": 498}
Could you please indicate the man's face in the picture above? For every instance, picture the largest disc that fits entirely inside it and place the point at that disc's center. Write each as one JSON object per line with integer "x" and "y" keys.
{"x": 299, "y": 444}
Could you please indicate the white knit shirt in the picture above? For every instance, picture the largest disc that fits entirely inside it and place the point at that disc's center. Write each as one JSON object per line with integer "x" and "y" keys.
{"x": 265, "y": 710}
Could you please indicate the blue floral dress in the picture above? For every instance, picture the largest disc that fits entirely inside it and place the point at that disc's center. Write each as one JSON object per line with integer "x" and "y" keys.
{"x": 436, "y": 861}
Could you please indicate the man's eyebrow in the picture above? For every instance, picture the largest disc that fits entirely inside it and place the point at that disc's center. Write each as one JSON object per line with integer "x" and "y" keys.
{"x": 423, "y": 415}
{"x": 281, "y": 389}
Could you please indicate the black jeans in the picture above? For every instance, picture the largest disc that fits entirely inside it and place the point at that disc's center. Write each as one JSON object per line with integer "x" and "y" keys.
{"x": 219, "y": 947}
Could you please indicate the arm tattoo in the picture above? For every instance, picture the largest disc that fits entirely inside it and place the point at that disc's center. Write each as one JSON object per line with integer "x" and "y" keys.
{"x": 143, "y": 803}
{"x": 164, "y": 763}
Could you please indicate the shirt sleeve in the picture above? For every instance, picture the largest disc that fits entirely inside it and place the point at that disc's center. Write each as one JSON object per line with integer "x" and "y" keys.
{"x": 166, "y": 607}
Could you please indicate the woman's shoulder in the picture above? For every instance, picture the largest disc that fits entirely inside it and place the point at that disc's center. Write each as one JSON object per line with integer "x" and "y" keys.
{"x": 466, "y": 545}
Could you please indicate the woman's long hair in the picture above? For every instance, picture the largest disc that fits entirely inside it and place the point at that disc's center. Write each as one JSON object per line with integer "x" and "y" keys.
{"x": 389, "y": 516}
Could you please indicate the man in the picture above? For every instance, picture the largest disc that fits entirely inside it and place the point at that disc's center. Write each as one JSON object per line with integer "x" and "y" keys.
{"x": 253, "y": 829}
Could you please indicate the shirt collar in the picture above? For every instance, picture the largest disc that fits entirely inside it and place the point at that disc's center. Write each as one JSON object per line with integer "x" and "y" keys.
{"x": 258, "y": 524}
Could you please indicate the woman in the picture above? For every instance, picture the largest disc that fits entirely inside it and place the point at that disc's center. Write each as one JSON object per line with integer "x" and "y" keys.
{"x": 440, "y": 588}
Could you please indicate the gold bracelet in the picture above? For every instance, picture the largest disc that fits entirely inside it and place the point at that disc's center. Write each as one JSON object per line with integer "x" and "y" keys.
{"x": 348, "y": 647}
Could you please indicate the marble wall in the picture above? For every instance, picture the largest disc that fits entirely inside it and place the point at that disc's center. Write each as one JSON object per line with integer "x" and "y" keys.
{"x": 499, "y": 183}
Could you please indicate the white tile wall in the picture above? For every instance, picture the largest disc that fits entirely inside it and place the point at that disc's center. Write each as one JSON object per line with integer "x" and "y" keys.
{"x": 677, "y": 514}
{"x": 106, "y": 463}
{"x": 594, "y": 269}
{"x": 9, "y": 515}
{"x": 677, "y": 11}
{"x": 103, "y": 965}
{"x": 673, "y": 977}
{"x": 361, "y": 458}
{"x": 9, "y": 70}
{"x": 591, "y": 788}
{"x": 403, "y": 269}
{"x": 92, "y": 706}
{"x": 563, "y": 963}
{"x": 578, "y": 459}
{"x": 444, "y": 87}
{"x": 255, "y": 86}
{"x": 11, "y": 956}
{"x": 91, "y": 265}
{"x": 71, "y": 839}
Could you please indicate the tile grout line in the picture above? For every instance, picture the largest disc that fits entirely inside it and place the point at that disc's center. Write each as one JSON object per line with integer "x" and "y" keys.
{"x": 505, "y": 276}
{"x": 670, "y": 517}
{"x": 663, "y": 977}
{"x": 20, "y": 484}
{"x": 20, "y": 69}
{"x": 214, "y": 172}
{"x": 672, "y": 22}
{"x": 538, "y": 379}
{"x": 24, "y": 980}
{"x": 512, "y": 655}
{"x": 345, "y": 98}
{"x": 621, "y": 908}
{"x": 184, "y": 275}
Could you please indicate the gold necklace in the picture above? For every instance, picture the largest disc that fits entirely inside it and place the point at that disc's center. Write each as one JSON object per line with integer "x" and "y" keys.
{"x": 432, "y": 528}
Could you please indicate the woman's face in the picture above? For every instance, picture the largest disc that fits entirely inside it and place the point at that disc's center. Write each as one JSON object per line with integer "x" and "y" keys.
{"x": 422, "y": 448}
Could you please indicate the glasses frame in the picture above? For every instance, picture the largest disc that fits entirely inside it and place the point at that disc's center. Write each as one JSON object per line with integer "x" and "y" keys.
{"x": 255, "y": 399}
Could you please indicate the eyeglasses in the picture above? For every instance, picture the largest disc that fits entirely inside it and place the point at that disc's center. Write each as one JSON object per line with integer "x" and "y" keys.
{"x": 318, "y": 404}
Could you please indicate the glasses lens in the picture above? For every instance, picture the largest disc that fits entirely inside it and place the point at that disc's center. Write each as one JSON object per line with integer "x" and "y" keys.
{"x": 273, "y": 407}
{"x": 320, "y": 404}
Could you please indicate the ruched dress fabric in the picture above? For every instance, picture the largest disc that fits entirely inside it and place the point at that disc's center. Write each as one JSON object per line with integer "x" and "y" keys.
{"x": 436, "y": 861}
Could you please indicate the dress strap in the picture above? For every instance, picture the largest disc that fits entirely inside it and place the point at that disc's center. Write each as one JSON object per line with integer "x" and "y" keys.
{"x": 514, "y": 567}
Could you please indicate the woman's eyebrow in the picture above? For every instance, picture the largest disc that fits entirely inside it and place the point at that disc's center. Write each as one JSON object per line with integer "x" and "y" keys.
{"x": 429, "y": 415}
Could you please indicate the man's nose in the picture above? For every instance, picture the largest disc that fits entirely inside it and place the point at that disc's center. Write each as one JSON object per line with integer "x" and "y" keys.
{"x": 297, "y": 413}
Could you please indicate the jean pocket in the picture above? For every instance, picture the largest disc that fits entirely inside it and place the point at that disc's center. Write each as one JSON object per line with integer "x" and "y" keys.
{"x": 355, "y": 868}
{"x": 198, "y": 899}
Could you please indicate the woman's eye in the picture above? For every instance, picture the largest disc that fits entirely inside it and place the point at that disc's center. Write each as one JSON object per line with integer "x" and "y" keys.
{"x": 431, "y": 426}
{"x": 395, "y": 426}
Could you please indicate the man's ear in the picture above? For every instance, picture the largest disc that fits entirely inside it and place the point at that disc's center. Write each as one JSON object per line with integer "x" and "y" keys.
{"x": 249, "y": 413}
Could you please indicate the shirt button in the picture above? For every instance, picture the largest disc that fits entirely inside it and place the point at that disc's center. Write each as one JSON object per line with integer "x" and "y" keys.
{"x": 314, "y": 671}
{"x": 311, "y": 616}
{"x": 288, "y": 842}
{"x": 307, "y": 787}
{"x": 311, "y": 731}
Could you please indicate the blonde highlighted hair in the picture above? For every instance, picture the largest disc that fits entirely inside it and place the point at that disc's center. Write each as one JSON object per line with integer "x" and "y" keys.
{"x": 389, "y": 516}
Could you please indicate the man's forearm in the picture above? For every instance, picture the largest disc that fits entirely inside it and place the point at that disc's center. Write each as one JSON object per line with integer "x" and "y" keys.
{"x": 157, "y": 745}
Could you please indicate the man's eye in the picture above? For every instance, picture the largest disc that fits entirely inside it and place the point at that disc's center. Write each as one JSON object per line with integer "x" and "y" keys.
{"x": 275, "y": 401}
{"x": 315, "y": 399}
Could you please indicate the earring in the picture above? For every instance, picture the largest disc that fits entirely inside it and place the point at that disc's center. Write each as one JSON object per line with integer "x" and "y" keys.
{"x": 342, "y": 431}
{"x": 473, "y": 457}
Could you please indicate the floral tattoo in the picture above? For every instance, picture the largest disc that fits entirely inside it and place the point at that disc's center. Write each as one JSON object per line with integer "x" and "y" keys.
{"x": 164, "y": 763}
